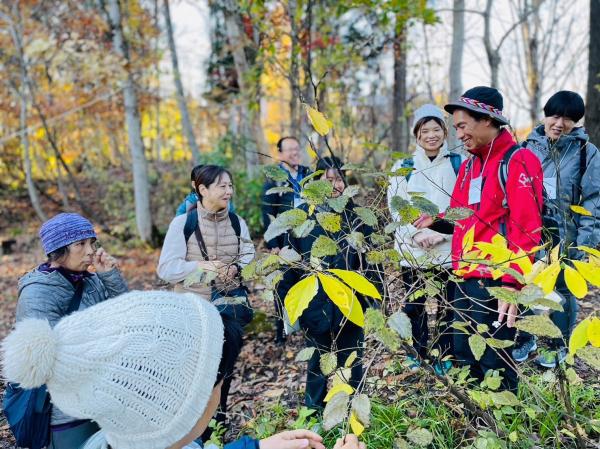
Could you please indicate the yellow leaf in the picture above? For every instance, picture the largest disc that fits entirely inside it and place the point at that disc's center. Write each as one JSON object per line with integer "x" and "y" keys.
{"x": 580, "y": 210}
{"x": 355, "y": 425}
{"x": 318, "y": 120}
{"x": 344, "y": 298}
{"x": 579, "y": 337}
{"x": 311, "y": 153}
{"x": 468, "y": 239}
{"x": 592, "y": 251}
{"x": 546, "y": 280}
{"x": 575, "y": 282}
{"x": 497, "y": 274}
{"x": 357, "y": 282}
{"x": 299, "y": 297}
{"x": 589, "y": 271}
{"x": 497, "y": 253}
{"x": 555, "y": 254}
{"x": 595, "y": 261}
{"x": 522, "y": 260}
{"x": 536, "y": 269}
{"x": 336, "y": 389}
{"x": 593, "y": 332}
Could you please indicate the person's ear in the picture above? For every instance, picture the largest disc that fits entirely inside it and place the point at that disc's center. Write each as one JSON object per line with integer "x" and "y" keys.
{"x": 202, "y": 190}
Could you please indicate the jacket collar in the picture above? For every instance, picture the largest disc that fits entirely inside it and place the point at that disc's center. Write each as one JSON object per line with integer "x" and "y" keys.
{"x": 212, "y": 216}
{"x": 420, "y": 152}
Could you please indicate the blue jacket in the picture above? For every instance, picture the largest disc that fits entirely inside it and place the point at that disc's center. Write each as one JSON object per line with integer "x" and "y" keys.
{"x": 243, "y": 443}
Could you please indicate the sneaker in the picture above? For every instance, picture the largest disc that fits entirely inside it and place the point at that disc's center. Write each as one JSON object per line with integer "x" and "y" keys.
{"x": 547, "y": 359}
{"x": 521, "y": 353}
{"x": 412, "y": 363}
{"x": 442, "y": 368}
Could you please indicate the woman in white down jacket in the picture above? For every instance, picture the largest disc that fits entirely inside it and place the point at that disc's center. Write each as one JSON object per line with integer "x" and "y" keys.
{"x": 426, "y": 253}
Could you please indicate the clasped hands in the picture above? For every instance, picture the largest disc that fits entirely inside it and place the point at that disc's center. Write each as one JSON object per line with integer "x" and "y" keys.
{"x": 225, "y": 272}
{"x": 301, "y": 439}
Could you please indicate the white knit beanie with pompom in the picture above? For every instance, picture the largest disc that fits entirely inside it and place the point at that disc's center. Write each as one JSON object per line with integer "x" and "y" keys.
{"x": 142, "y": 365}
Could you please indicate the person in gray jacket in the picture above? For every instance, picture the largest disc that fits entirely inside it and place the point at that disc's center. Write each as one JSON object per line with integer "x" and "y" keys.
{"x": 571, "y": 165}
{"x": 69, "y": 241}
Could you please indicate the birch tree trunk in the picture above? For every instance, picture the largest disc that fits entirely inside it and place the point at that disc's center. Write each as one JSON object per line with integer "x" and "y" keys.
{"x": 530, "y": 30}
{"x": 186, "y": 122}
{"x": 237, "y": 38}
{"x": 141, "y": 185}
{"x": 399, "y": 124}
{"x": 592, "y": 118}
{"x": 456, "y": 57}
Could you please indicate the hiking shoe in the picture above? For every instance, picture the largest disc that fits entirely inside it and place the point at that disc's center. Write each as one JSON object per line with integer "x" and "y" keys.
{"x": 412, "y": 363}
{"x": 521, "y": 353}
{"x": 442, "y": 368}
{"x": 547, "y": 359}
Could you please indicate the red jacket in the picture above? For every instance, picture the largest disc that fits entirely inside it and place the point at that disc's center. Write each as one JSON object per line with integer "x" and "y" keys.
{"x": 521, "y": 219}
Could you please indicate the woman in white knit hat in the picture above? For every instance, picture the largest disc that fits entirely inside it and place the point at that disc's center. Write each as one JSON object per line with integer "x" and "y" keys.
{"x": 147, "y": 367}
{"x": 431, "y": 173}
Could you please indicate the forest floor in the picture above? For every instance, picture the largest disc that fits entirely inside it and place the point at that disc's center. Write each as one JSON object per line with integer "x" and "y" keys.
{"x": 266, "y": 373}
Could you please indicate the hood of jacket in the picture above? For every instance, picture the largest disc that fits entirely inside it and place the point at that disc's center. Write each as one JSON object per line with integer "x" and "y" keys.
{"x": 53, "y": 279}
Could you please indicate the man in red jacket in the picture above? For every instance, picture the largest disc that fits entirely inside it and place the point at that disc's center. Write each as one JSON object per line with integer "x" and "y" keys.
{"x": 506, "y": 202}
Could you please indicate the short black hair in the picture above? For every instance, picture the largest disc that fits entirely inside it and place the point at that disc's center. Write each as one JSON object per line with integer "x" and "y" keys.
{"x": 565, "y": 103}
{"x": 280, "y": 141}
{"x": 424, "y": 120}
{"x": 232, "y": 345}
{"x": 58, "y": 254}
{"x": 195, "y": 171}
{"x": 479, "y": 116}
{"x": 327, "y": 162}
{"x": 207, "y": 175}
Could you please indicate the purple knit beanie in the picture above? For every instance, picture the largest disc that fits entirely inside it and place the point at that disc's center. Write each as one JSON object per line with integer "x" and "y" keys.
{"x": 64, "y": 229}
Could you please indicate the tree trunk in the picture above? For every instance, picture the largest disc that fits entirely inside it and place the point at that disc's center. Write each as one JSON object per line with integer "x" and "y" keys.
{"x": 294, "y": 75}
{"x": 399, "y": 125}
{"x": 456, "y": 56}
{"x": 33, "y": 194}
{"x": 493, "y": 54}
{"x": 592, "y": 118}
{"x": 186, "y": 122}
{"x": 530, "y": 33}
{"x": 134, "y": 130}
{"x": 236, "y": 39}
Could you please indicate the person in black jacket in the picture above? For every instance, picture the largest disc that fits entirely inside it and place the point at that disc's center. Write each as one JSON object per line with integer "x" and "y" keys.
{"x": 275, "y": 203}
{"x": 323, "y": 324}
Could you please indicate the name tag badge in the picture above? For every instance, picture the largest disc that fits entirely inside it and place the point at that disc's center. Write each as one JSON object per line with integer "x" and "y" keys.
{"x": 550, "y": 187}
{"x": 475, "y": 190}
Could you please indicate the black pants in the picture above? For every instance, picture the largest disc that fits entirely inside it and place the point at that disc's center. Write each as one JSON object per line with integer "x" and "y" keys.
{"x": 474, "y": 305}
{"x": 343, "y": 342}
{"x": 414, "y": 280}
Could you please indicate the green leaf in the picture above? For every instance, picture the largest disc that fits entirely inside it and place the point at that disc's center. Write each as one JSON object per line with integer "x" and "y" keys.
{"x": 590, "y": 355}
{"x": 407, "y": 213}
{"x": 305, "y": 355}
{"x": 275, "y": 173}
{"x": 323, "y": 246}
{"x": 482, "y": 328}
{"x": 374, "y": 320}
{"x": 503, "y": 294}
{"x": 498, "y": 344}
{"x": 338, "y": 204}
{"x": 304, "y": 229}
{"x": 356, "y": 240}
{"x": 457, "y": 213}
{"x": 249, "y": 271}
{"x": 504, "y": 398}
{"x": 529, "y": 294}
{"x": 350, "y": 360}
{"x": 477, "y": 345}
{"x": 424, "y": 205}
{"x": 328, "y": 363}
{"x": 361, "y": 406}
{"x": 420, "y": 437}
{"x": 278, "y": 190}
{"x": 316, "y": 192}
{"x": 284, "y": 222}
{"x": 366, "y": 215}
{"x": 329, "y": 221}
{"x": 289, "y": 255}
{"x": 390, "y": 228}
{"x": 311, "y": 176}
{"x": 351, "y": 191}
{"x": 336, "y": 410}
{"x": 539, "y": 325}
{"x": 400, "y": 322}
{"x": 378, "y": 239}
{"x": 389, "y": 338}
{"x": 461, "y": 326}
{"x": 401, "y": 443}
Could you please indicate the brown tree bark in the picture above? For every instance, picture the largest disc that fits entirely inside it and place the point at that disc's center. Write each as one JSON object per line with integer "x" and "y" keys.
{"x": 399, "y": 122}
{"x": 592, "y": 118}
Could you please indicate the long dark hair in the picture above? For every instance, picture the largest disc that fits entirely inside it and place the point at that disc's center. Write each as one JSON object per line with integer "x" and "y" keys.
{"x": 208, "y": 175}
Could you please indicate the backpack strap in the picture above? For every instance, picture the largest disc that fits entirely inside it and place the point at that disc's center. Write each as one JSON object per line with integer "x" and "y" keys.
{"x": 76, "y": 300}
{"x": 191, "y": 223}
{"x": 191, "y": 227}
{"x": 456, "y": 161}
{"x": 237, "y": 227}
{"x": 408, "y": 163}
{"x": 503, "y": 169}
{"x": 582, "y": 169}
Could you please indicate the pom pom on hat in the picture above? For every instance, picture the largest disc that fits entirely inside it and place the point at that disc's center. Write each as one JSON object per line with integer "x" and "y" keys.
{"x": 29, "y": 353}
